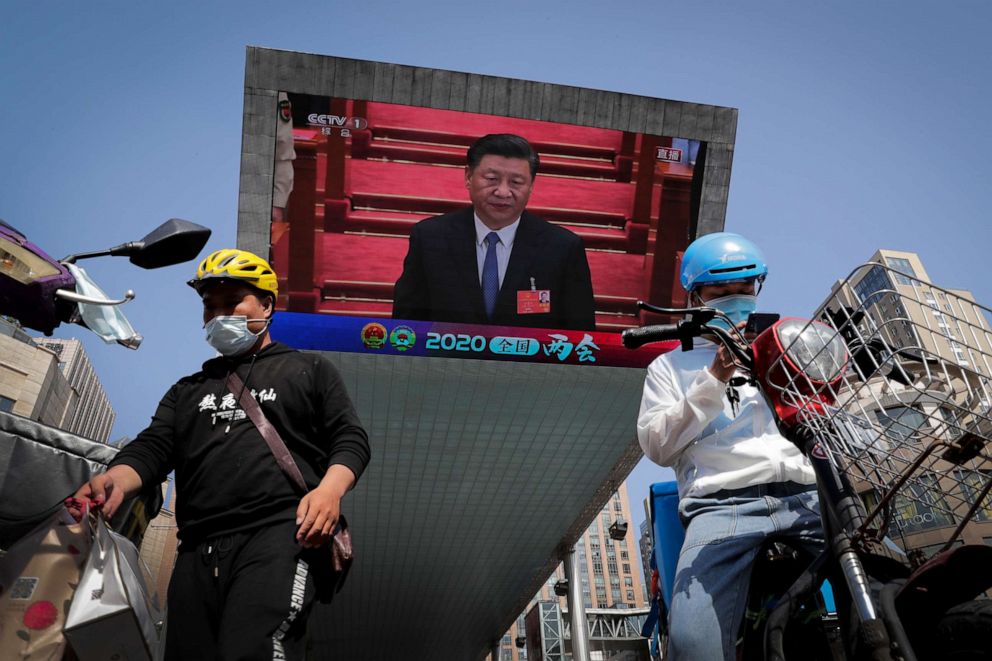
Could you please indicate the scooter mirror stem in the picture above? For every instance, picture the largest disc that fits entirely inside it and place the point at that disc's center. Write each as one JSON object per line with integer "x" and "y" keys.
{"x": 123, "y": 249}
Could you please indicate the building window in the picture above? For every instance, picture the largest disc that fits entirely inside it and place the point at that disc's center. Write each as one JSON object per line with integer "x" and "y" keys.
{"x": 54, "y": 347}
{"x": 628, "y": 582}
{"x": 932, "y": 549}
{"x": 626, "y": 568}
{"x": 630, "y": 596}
{"x": 972, "y": 483}
{"x": 875, "y": 281}
{"x": 928, "y": 508}
{"x": 7, "y": 404}
{"x": 959, "y": 353}
{"x": 903, "y": 268}
{"x": 901, "y": 422}
{"x": 919, "y": 506}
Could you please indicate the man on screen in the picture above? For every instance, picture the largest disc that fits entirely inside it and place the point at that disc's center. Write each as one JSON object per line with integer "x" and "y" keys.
{"x": 493, "y": 262}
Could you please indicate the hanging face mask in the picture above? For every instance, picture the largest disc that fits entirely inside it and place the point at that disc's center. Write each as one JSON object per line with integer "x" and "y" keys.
{"x": 229, "y": 334}
{"x": 735, "y": 306}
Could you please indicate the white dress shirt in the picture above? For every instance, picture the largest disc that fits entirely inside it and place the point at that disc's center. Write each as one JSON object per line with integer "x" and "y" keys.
{"x": 503, "y": 248}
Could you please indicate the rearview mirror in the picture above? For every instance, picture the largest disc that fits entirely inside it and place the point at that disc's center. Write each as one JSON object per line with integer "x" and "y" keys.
{"x": 173, "y": 242}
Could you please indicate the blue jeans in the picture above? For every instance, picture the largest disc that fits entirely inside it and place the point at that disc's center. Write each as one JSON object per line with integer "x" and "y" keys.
{"x": 724, "y": 532}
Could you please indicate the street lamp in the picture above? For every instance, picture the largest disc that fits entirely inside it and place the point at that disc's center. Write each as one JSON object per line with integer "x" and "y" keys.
{"x": 618, "y": 530}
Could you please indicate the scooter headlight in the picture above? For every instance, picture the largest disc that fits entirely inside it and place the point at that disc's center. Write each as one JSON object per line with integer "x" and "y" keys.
{"x": 815, "y": 349}
{"x": 799, "y": 364}
{"x": 22, "y": 265}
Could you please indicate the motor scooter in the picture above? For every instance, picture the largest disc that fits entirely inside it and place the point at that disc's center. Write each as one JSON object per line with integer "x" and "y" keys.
{"x": 888, "y": 393}
{"x": 44, "y": 465}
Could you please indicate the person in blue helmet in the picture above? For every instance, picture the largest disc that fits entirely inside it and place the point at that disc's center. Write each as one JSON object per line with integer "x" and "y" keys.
{"x": 740, "y": 482}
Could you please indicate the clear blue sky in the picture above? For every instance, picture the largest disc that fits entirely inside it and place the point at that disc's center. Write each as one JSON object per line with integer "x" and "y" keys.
{"x": 862, "y": 125}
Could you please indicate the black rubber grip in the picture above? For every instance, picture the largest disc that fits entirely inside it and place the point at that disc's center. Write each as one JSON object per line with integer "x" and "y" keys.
{"x": 633, "y": 338}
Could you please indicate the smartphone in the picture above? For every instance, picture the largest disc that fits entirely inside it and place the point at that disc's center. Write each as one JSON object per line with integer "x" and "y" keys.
{"x": 758, "y": 322}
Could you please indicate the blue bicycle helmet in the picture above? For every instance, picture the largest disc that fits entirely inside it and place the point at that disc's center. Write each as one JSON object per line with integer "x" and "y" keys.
{"x": 721, "y": 257}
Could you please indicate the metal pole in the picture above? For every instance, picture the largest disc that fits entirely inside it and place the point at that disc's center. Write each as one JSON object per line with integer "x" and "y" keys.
{"x": 576, "y": 609}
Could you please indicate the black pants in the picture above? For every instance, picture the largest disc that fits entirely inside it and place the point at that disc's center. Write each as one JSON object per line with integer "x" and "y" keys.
{"x": 240, "y": 596}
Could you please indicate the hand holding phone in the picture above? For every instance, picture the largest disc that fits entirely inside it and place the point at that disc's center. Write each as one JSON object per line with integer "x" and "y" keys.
{"x": 758, "y": 322}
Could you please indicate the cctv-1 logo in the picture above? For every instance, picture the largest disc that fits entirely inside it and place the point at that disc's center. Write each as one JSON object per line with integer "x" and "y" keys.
{"x": 336, "y": 124}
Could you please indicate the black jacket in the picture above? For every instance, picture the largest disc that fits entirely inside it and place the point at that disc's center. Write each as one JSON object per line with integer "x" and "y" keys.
{"x": 440, "y": 280}
{"x": 226, "y": 477}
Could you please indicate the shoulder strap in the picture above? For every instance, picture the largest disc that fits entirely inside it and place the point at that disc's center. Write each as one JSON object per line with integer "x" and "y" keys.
{"x": 268, "y": 432}
{"x": 342, "y": 552}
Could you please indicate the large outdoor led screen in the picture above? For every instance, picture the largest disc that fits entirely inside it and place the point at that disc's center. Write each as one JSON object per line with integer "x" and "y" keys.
{"x": 379, "y": 247}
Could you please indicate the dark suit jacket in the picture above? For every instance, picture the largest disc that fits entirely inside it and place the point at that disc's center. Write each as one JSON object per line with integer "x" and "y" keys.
{"x": 440, "y": 280}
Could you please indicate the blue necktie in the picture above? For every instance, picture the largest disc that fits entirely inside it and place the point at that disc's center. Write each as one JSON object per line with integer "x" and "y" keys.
{"x": 490, "y": 274}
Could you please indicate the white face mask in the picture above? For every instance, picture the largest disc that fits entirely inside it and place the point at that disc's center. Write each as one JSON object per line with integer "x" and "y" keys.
{"x": 229, "y": 334}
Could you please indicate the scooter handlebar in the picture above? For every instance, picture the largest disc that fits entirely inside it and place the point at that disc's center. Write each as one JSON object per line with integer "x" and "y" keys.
{"x": 633, "y": 338}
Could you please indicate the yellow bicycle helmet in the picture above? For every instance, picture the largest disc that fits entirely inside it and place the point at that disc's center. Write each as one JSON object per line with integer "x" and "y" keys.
{"x": 234, "y": 264}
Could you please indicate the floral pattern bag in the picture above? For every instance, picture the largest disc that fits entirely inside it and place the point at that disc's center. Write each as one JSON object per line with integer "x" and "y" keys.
{"x": 38, "y": 577}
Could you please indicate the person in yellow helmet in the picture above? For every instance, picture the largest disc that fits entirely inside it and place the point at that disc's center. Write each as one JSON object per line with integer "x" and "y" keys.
{"x": 251, "y": 548}
{"x": 229, "y": 276}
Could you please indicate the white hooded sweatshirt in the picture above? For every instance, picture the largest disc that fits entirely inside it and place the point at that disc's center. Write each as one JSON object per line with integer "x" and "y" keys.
{"x": 686, "y": 421}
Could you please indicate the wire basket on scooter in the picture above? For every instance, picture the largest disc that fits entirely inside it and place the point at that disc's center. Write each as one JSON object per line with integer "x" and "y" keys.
{"x": 910, "y": 417}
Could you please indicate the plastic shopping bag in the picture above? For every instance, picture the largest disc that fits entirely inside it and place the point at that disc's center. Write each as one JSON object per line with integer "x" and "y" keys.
{"x": 37, "y": 578}
{"x": 114, "y": 615}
